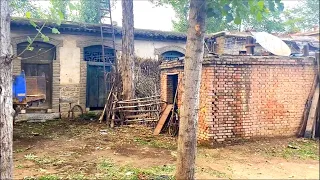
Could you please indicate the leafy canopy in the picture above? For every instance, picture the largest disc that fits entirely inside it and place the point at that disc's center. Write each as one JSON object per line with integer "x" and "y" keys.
{"x": 259, "y": 15}
{"x": 230, "y": 14}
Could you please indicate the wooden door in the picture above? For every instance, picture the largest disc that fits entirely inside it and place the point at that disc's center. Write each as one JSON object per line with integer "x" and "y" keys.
{"x": 45, "y": 70}
{"x": 96, "y": 89}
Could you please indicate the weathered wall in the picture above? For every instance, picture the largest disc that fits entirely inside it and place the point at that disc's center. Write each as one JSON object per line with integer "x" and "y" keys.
{"x": 70, "y": 61}
{"x": 231, "y": 45}
{"x": 70, "y": 71}
{"x": 243, "y": 96}
{"x": 146, "y": 48}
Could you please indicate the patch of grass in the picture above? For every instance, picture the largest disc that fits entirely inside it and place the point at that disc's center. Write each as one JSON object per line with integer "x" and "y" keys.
{"x": 77, "y": 176}
{"x": 213, "y": 172}
{"x": 154, "y": 143}
{"x": 305, "y": 149}
{"x": 43, "y": 160}
{"x": 19, "y": 166}
{"x": 112, "y": 171}
{"x": 46, "y": 177}
{"x": 89, "y": 116}
{"x": 49, "y": 177}
{"x": 19, "y": 150}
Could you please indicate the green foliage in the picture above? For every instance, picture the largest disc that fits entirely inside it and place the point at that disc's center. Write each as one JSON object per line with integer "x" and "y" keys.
{"x": 89, "y": 11}
{"x": 260, "y": 15}
{"x": 61, "y": 6}
{"x": 228, "y": 14}
{"x": 303, "y": 17}
{"x": 54, "y": 16}
{"x": 21, "y": 7}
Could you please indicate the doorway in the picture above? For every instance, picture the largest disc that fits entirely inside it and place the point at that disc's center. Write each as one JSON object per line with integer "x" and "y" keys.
{"x": 97, "y": 87}
{"x": 172, "y": 85}
{"x": 37, "y": 66}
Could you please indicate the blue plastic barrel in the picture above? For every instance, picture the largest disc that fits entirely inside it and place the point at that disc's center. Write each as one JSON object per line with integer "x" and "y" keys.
{"x": 19, "y": 88}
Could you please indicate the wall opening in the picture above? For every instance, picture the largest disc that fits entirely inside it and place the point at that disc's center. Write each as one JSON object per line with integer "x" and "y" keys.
{"x": 171, "y": 55}
{"x": 172, "y": 85}
{"x": 97, "y": 88}
{"x": 37, "y": 66}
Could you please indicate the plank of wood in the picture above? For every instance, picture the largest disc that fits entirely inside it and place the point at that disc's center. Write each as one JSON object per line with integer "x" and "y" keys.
{"x": 139, "y": 111}
{"x": 307, "y": 107}
{"x": 157, "y": 96}
{"x": 142, "y": 101}
{"x": 163, "y": 119}
{"x": 142, "y": 105}
{"x": 137, "y": 116}
{"x": 312, "y": 114}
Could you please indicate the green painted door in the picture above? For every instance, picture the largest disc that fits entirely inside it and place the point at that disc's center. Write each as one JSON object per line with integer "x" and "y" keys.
{"x": 96, "y": 89}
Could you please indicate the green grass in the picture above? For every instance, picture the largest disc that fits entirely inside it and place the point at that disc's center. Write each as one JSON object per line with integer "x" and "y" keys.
{"x": 109, "y": 170}
{"x": 154, "y": 143}
{"x": 46, "y": 177}
{"x": 43, "y": 160}
{"x": 308, "y": 149}
{"x": 296, "y": 149}
{"x": 213, "y": 172}
{"x": 19, "y": 166}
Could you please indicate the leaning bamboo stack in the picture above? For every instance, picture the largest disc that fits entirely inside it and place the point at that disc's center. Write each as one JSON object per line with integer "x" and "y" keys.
{"x": 140, "y": 110}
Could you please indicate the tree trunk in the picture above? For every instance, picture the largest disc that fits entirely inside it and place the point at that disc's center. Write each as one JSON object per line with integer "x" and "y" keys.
{"x": 6, "y": 111}
{"x": 187, "y": 140}
{"x": 127, "y": 59}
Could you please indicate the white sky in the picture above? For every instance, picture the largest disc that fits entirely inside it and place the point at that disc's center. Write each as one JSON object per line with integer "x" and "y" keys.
{"x": 148, "y": 16}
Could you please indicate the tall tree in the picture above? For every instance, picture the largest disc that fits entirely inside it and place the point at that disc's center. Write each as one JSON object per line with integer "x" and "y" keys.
{"x": 232, "y": 10}
{"x": 62, "y": 7}
{"x": 272, "y": 21}
{"x": 192, "y": 72}
{"x": 303, "y": 17}
{"x": 126, "y": 65}
{"x": 6, "y": 110}
{"x": 20, "y": 7}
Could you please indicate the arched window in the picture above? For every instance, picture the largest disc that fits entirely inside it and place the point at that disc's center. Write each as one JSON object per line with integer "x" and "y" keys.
{"x": 37, "y": 51}
{"x": 94, "y": 54}
{"x": 171, "y": 55}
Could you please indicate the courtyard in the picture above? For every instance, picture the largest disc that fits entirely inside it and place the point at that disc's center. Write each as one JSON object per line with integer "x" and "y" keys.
{"x": 88, "y": 150}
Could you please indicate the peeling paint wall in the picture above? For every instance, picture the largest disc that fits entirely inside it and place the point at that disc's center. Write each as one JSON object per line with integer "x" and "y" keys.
{"x": 69, "y": 61}
{"x": 69, "y": 70}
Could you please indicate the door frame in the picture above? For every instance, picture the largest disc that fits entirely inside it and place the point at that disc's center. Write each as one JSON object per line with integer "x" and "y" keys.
{"x": 100, "y": 64}
{"x": 43, "y": 62}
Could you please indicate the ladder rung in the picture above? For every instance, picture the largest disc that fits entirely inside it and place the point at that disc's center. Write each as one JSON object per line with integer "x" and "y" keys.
{"x": 102, "y": 16}
{"x": 104, "y": 9}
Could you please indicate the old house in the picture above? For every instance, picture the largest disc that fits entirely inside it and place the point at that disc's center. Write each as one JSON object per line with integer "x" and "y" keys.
{"x": 71, "y": 61}
{"x": 72, "y": 65}
{"x": 235, "y": 43}
{"x": 245, "y": 96}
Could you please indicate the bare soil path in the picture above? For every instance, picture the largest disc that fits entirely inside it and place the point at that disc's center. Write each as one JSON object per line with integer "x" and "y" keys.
{"x": 78, "y": 150}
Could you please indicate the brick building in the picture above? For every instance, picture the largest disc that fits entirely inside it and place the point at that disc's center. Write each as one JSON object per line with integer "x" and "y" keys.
{"x": 71, "y": 60}
{"x": 246, "y": 96}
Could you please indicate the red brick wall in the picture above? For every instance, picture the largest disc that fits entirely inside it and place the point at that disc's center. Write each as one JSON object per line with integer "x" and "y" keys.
{"x": 243, "y": 96}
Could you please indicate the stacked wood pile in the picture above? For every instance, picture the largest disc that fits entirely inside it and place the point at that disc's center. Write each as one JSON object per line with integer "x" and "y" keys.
{"x": 142, "y": 110}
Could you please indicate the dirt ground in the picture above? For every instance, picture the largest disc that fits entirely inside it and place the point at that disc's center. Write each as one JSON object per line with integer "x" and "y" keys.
{"x": 81, "y": 150}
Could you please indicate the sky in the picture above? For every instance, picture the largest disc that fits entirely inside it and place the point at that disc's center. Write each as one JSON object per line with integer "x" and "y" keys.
{"x": 148, "y": 16}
